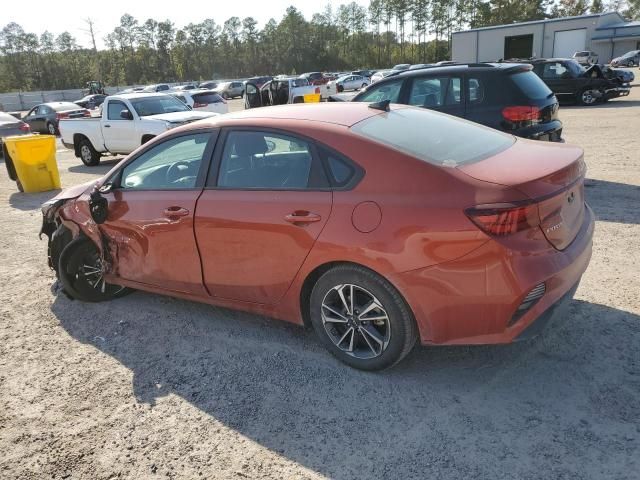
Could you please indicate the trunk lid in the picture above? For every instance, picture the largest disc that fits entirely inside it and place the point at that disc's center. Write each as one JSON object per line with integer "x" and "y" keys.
{"x": 552, "y": 176}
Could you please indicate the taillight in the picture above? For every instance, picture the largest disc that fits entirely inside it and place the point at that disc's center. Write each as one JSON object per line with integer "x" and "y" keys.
{"x": 199, "y": 105}
{"x": 86, "y": 113}
{"x": 317, "y": 90}
{"x": 62, "y": 115}
{"x": 519, "y": 114}
{"x": 24, "y": 127}
{"x": 498, "y": 220}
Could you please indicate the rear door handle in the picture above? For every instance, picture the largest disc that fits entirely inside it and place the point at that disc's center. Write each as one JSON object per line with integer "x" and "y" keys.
{"x": 176, "y": 212}
{"x": 107, "y": 126}
{"x": 302, "y": 217}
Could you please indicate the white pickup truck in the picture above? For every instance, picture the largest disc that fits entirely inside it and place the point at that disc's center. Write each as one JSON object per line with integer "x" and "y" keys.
{"x": 283, "y": 90}
{"x": 126, "y": 122}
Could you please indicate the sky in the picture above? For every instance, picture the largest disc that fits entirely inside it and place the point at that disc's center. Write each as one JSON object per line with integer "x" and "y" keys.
{"x": 37, "y": 16}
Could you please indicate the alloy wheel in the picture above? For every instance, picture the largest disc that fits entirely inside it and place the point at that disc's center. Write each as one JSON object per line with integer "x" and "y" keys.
{"x": 90, "y": 272}
{"x": 356, "y": 321}
{"x": 51, "y": 128}
{"x": 85, "y": 153}
{"x": 588, "y": 97}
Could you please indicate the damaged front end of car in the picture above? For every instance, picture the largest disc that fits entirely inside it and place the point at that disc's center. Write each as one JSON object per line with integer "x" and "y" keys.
{"x": 73, "y": 213}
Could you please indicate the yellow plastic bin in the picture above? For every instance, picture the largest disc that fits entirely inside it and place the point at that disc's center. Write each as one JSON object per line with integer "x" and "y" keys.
{"x": 33, "y": 161}
{"x": 312, "y": 98}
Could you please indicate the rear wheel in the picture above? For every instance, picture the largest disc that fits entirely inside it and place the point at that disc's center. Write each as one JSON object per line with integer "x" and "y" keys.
{"x": 361, "y": 318}
{"x": 88, "y": 154}
{"x": 364, "y": 85}
{"x": 80, "y": 270}
{"x": 588, "y": 96}
{"x": 51, "y": 129}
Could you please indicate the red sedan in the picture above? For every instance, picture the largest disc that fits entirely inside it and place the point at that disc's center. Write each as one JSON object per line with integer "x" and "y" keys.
{"x": 379, "y": 227}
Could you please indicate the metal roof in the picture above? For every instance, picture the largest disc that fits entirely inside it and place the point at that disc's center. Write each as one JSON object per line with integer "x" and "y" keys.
{"x": 536, "y": 22}
{"x": 631, "y": 24}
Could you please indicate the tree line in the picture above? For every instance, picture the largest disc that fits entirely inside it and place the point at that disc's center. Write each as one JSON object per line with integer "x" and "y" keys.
{"x": 348, "y": 37}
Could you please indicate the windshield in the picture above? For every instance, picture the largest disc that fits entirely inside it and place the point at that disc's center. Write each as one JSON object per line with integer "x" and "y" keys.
{"x": 575, "y": 67}
{"x": 157, "y": 105}
{"x": 300, "y": 82}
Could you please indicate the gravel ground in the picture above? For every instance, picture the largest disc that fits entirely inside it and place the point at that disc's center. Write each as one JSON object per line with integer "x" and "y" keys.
{"x": 152, "y": 387}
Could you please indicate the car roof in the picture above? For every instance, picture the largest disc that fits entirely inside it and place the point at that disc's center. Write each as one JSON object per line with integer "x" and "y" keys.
{"x": 134, "y": 95}
{"x": 56, "y": 105}
{"x": 456, "y": 68}
{"x": 345, "y": 114}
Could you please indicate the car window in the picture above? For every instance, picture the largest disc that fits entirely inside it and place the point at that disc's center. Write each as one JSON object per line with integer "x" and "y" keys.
{"x": 475, "y": 91}
{"x": 435, "y": 92}
{"x": 172, "y": 164}
{"x": 264, "y": 160}
{"x": 433, "y": 137}
{"x": 114, "y": 109}
{"x": 378, "y": 93}
{"x": 157, "y": 105}
{"x": 553, "y": 71}
{"x": 531, "y": 85}
{"x": 340, "y": 170}
{"x": 211, "y": 97}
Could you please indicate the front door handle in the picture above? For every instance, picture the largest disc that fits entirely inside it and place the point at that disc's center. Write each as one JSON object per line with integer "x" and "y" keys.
{"x": 107, "y": 126}
{"x": 176, "y": 212}
{"x": 302, "y": 217}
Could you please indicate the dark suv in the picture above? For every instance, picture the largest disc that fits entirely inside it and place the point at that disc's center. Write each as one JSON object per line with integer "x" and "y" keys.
{"x": 508, "y": 97}
{"x": 571, "y": 82}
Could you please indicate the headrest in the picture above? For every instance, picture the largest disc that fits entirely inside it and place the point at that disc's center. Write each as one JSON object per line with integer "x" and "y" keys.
{"x": 250, "y": 143}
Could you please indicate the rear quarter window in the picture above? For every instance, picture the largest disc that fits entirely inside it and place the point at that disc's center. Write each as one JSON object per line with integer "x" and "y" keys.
{"x": 531, "y": 85}
{"x": 433, "y": 137}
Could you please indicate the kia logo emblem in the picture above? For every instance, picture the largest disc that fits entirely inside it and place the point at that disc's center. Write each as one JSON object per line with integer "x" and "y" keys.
{"x": 571, "y": 197}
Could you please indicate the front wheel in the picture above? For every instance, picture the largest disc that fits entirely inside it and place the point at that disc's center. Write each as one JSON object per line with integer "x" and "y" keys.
{"x": 364, "y": 85}
{"x": 80, "y": 271}
{"x": 588, "y": 97}
{"x": 361, "y": 318}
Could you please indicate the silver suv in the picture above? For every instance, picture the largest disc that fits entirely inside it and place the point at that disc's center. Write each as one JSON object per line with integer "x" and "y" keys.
{"x": 230, "y": 89}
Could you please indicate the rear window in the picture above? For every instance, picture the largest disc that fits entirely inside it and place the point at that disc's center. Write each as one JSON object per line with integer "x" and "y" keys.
{"x": 207, "y": 98}
{"x": 434, "y": 137}
{"x": 531, "y": 85}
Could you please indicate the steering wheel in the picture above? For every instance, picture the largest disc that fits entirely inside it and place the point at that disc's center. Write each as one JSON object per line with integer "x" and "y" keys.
{"x": 177, "y": 171}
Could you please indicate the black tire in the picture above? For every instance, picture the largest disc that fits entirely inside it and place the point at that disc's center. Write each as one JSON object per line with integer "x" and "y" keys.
{"x": 77, "y": 280}
{"x": 586, "y": 98}
{"x": 87, "y": 153}
{"x": 225, "y": 96}
{"x": 392, "y": 323}
{"x": 340, "y": 88}
{"x": 364, "y": 85}
{"x": 51, "y": 129}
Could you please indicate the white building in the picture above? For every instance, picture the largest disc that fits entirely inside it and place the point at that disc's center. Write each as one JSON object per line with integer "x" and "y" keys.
{"x": 607, "y": 34}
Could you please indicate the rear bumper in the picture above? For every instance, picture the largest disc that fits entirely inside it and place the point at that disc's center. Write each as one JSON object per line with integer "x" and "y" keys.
{"x": 473, "y": 300}
{"x": 547, "y": 132}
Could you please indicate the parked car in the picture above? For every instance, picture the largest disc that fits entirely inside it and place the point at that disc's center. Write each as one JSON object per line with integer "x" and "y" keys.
{"x": 570, "y": 81}
{"x": 131, "y": 90}
{"x": 402, "y": 66}
{"x": 507, "y": 97}
{"x": 127, "y": 122}
{"x": 315, "y": 78}
{"x": 45, "y": 118}
{"x": 280, "y": 91}
{"x": 629, "y": 59}
{"x": 209, "y": 85}
{"x": 230, "y": 89}
{"x": 364, "y": 73}
{"x": 294, "y": 212}
{"x": 161, "y": 87}
{"x": 203, "y": 100}
{"x": 351, "y": 82}
{"x": 182, "y": 88}
{"x": 379, "y": 75}
{"x": 10, "y": 126}
{"x": 91, "y": 101}
{"x": 586, "y": 57}
{"x": 259, "y": 81}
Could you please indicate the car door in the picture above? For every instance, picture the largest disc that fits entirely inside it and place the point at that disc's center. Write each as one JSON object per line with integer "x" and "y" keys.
{"x": 559, "y": 80}
{"x": 264, "y": 206}
{"x": 437, "y": 92}
{"x": 151, "y": 212}
{"x": 119, "y": 133}
{"x": 252, "y": 96}
{"x": 36, "y": 118}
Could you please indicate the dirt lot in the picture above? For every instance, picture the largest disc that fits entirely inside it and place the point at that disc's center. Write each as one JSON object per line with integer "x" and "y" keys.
{"x": 152, "y": 387}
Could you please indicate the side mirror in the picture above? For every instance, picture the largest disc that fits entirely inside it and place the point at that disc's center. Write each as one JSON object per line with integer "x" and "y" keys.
{"x": 126, "y": 114}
